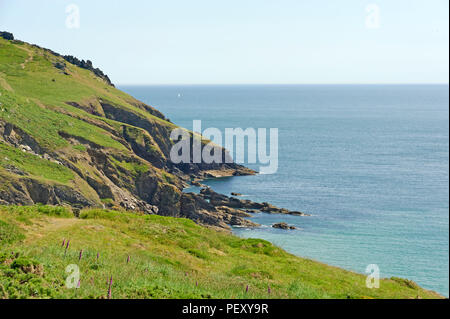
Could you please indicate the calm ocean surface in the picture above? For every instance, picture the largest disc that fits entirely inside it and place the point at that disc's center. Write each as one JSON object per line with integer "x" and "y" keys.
{"x": 370, "y": 163}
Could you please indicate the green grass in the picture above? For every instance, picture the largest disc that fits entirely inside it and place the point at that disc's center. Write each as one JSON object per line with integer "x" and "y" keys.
{"x": 169, "y": 258}
{"x": 32, "y": 164}
{"x": 34, "y": 97}
{"x": 135, "y": 168}
{"x": 31, "y": 96}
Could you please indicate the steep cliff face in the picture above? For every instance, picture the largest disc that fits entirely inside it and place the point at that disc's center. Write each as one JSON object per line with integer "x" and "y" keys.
{"x": 68, "y": 137}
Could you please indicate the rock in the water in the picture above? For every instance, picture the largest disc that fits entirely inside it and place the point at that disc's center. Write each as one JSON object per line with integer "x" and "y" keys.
{"x": 236, "y": 194}
{"x": 233, "y": 211}
{"x": 283, "y": 226}
{"x": 197, "y": 183}
{"x": 295, "y": 213}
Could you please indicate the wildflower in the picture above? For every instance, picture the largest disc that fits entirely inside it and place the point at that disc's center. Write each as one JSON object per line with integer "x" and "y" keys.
{"x": 109, "y": 289}
{"x": 67, "y": 247}
{"x": 81, "y": 255}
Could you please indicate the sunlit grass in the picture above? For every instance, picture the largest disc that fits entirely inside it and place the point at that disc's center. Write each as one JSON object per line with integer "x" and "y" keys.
{"x": 168, "y": 258}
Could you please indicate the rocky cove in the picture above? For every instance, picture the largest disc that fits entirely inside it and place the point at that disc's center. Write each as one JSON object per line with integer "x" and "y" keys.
{"x": 225, "y": 211}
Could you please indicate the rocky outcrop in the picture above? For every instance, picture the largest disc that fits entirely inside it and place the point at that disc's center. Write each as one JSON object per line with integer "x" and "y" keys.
{"x": 217, "y": 199}
{"x": 195, "y": 207}
{"x": 218, "y": 210}
{"x": 197, "y": 183}
{"x": 15, "y": 136}
{"x": 284, "y": 226}
{"x": 6, "y": 35}
{"x": 88, "y": 66}
{"x": 29, "y": 191}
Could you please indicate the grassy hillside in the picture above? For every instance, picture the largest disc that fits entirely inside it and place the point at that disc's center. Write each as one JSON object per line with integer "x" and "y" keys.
{"x": 150, "y": 256}
{"x": 56, "y": 113}
{"x": 67, "y": 136}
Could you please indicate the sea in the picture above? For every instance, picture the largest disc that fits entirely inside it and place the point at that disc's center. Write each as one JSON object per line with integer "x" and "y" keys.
{"x": 369, "y": 163}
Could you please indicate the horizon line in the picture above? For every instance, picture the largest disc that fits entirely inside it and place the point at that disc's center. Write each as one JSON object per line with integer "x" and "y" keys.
{"x": 274, "y": 84}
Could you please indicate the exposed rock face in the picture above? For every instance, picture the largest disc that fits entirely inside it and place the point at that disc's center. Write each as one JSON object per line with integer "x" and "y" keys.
{"x": 28, "y": 191}
{"x": 18, "y": 138}
{"x": 88, "y": 66}
{"x": 197, "y": 183}
{"x": 193, "y": 206}
{"x": 283, "y": 226}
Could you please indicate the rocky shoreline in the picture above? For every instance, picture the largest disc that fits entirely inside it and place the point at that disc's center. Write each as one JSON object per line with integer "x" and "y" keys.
{"x": 220, "y": 211}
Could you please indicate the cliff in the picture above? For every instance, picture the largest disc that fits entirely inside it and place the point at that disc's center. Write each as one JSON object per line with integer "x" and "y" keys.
{"x": 69, "y": 137}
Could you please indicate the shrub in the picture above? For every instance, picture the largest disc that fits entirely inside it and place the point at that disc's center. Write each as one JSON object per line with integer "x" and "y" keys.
{"x": 6, "y": 35}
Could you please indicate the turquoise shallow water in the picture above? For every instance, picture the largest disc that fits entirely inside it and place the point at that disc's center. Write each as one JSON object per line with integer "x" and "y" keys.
{"x": 370, "y": 163}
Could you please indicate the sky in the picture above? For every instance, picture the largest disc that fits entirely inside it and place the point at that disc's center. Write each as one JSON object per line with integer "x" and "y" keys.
{"x": 243, "y": 41}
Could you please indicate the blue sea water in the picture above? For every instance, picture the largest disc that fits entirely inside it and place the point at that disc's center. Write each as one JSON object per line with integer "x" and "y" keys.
{"x": 369, "y": 162}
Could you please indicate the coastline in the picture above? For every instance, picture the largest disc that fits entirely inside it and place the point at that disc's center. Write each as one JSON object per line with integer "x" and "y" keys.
{"x": 99, "y": 151}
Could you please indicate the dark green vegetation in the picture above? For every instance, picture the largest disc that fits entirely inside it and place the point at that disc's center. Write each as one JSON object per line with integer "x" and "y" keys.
{"x": 84, "y": 65}
{"x": 6, "y": 35}
{"x": 168, "y": 258}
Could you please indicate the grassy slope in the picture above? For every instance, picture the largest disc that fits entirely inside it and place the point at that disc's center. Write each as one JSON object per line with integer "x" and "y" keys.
{"x": 34, "y": 96}
{"x": 168, "y": 257}
{"x": 30, "y": 96}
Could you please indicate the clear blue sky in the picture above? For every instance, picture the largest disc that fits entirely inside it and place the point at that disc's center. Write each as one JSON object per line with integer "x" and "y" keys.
{"x": 244, "y": 41}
